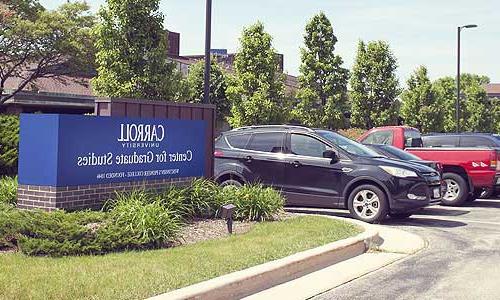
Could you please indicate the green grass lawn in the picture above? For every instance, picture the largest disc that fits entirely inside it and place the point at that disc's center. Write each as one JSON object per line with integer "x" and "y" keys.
{"x": 138, "y": 275}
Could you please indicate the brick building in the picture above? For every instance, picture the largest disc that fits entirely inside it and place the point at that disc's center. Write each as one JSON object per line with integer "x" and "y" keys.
{"x": 74, "y": 94}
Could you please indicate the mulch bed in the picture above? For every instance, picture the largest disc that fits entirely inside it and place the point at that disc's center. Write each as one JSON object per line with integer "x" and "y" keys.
{"x": 207, "y": 229}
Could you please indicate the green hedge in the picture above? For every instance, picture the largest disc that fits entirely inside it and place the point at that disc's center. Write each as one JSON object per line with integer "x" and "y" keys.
{"x": 8, "y": 190}
{"x": 9, "y": 140}
{"x": 133, "y": 220}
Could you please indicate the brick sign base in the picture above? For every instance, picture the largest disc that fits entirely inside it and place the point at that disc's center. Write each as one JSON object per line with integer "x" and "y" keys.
{"x": 85, "y": 196}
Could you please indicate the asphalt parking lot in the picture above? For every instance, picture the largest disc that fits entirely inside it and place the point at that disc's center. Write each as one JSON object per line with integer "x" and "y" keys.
{"x": 461, "y": 260}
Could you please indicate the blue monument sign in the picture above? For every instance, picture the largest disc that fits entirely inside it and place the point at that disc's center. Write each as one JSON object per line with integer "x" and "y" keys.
{"x": 70, "y": 150}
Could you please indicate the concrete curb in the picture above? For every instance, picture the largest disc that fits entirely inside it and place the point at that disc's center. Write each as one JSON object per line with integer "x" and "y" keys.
{"x": 258, "y": 278}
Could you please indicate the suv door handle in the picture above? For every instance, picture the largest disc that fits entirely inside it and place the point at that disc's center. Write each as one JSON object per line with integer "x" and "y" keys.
{"x": 296, "y": 164}
{"x": 249, "y": 159}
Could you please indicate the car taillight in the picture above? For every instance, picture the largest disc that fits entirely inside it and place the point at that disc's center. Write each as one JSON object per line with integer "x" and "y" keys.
{"x": 218, "y": 153}
{"x": 495, "y": 162}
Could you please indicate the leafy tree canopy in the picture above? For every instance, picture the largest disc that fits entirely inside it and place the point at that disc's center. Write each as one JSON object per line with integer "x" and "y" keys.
{"x": 323, "y": 81}
{"x": 257, "y": 89}
{"x": 218, "y": 86}
{"x": 420, "y": 105}
{"x": 37, "y": 43}
{"x": 374, "y": 85}
{"x": 132, "y": 53}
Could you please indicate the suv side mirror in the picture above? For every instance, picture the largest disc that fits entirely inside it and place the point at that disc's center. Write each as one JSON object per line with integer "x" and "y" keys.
{"x": 329, "y": 153}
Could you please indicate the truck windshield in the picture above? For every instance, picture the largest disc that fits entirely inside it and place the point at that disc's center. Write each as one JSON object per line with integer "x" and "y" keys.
{"x": 348, "y": 145}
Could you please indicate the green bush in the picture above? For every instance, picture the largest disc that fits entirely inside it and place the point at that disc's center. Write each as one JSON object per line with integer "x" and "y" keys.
{"x": 255, "y": 202}
{"x": 145, "y": 218}
{"x": 131, "y": 220}
{"x": 8, "y": 190}
{"x": 9, "y": 140}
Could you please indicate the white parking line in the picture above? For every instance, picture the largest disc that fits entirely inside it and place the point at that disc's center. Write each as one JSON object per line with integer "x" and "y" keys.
{"x": 455, "y": 219}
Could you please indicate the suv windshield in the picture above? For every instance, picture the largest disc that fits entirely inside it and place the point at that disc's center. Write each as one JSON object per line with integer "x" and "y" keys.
{"x": 348, "y": 145}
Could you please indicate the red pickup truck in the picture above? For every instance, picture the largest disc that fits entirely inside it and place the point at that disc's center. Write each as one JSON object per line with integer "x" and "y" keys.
{"x": 467, "y": 171}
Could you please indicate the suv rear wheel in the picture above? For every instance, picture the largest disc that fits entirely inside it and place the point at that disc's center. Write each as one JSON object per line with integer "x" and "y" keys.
{"x": 230, "y": 183}
{"x": 368, "y": 203}
{"x": 456, "y": 190}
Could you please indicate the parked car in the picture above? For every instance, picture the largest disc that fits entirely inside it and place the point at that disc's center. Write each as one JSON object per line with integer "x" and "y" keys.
{"x": 395, "y": 153}
{"x": 466, "y": 139}
{"x": 320, "y": 168}
{"x": 467, "y": 171}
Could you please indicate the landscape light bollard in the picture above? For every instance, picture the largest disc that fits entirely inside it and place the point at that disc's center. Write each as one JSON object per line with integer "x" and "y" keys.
{"x": 227, "y": 212}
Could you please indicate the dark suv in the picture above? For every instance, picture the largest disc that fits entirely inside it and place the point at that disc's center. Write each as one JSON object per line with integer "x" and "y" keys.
{"x": 487, "y": 140}
{"x": 320, "y": 168}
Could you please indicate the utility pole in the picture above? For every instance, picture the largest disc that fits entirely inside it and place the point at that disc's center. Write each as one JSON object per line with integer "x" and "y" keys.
{"x": 208, "y": 36}
{"x": 457, "y": 103}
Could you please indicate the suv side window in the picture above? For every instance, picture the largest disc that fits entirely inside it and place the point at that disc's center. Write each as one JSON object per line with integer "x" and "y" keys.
{"x": 267, "y": 142}
{"x": 238, "y": 140}
{"x": 383, "y": 137}
{"x": 306, "y": 146}
{"x": 440, "y": 141}
{"x": 475, "y": 141}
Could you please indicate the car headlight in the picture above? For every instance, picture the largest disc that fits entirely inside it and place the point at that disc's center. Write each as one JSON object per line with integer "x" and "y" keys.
{"x": 399, "y": 172}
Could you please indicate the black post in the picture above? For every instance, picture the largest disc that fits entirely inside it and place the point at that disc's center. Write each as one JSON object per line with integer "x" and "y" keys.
{"x": 457, "y": 105}
{"x": 230, "y": 225}
{"x": 208, "y": 33}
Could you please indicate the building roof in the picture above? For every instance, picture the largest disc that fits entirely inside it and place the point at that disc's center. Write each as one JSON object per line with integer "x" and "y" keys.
{"x": 72, "y": 85}
{"x": 492, "y": 89}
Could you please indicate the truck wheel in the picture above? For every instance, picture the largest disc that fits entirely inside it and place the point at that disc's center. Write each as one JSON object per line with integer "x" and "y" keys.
{"x": 457, "y": 190}
{"x": 368, "y": 203}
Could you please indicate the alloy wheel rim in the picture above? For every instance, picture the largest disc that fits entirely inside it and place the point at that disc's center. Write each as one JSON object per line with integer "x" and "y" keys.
{"x": 366, "y": 204}
{"x": 452, "y": 190}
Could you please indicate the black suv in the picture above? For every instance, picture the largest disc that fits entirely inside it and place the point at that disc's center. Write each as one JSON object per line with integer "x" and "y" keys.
{"x": 487, "y": 140}
{"x": 320, "y": 168}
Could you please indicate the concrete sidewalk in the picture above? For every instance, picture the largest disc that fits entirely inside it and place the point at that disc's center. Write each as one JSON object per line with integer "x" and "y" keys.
{"x": 394, "y": 245}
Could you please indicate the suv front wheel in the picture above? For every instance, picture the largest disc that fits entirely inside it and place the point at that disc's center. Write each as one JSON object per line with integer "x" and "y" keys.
{"x": 368, "y": 203}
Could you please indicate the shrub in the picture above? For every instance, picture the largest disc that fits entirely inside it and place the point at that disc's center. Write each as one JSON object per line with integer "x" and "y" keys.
{"x": 9, "y": 140}
{"x": 8, "y": 190}
{"x": 145, "y": 218}
{"x": 352, "y": 133}
{"x": 203, "y": 196}
{"x": 255, "y": 202}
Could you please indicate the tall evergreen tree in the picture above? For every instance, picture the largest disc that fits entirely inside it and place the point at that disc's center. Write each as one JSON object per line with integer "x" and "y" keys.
{"x": 257, "y": 89}
{"x": 132, "y": 52}
{"x": 323, "y": 81}
{"x": 374, "y": 85}
{"x": 420, "y": 106}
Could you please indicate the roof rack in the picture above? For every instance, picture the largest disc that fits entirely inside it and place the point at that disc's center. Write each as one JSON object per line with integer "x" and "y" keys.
{"x": 283, "y": 126}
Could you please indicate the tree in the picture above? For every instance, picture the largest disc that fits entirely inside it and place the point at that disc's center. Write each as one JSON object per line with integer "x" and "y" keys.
{"x": 477, "y": 112}
{"x": 257, "y": 89}
{"x": 420, "y": 106}
{"x": 374, "y": 85}
{"x": 218, "y": 86}
{"x": 323, "y": 80}
{"x": 132, "y": 52}
{"x": 36, "y": 43}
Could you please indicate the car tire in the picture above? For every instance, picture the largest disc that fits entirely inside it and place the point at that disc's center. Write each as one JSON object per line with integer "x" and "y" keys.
{"x": 400, "y": 216}
{"x": 368, "y": 203}
{"x": 231, "y": 183}
{"x": 457, "y": 190}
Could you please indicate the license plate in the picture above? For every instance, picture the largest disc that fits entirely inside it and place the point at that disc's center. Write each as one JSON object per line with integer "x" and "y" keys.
{"x": 437, "y": 193}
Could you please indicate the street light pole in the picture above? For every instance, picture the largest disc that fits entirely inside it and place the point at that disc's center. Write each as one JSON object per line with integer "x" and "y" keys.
{"x": 457, "y": 104}
{"x": 208, "y": 34}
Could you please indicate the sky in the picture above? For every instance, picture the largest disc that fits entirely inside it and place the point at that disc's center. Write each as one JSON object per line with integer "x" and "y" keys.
{"x": 420, "y": 32}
